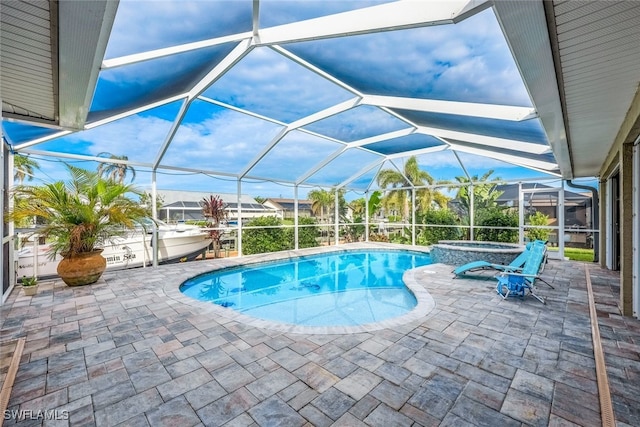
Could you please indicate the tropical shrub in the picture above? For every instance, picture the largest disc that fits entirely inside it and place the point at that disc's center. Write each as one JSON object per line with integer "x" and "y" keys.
{"x": 378, "y": 237}
{"x": 431, "y": 235}
{"x": 499, "y": 219}
{"x": 307, "y": 236}
{"x": 275, "y": 238}
{"x": 538, "y": 218}
{"x": 79, "y": 215}
{"x": 402, "y": 237}
{"x": 353, "y": 232}
{"x": 261, "y": 240}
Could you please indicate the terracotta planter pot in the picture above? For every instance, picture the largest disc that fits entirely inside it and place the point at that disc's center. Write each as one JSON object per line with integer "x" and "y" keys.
{"x": 82, "y": 269}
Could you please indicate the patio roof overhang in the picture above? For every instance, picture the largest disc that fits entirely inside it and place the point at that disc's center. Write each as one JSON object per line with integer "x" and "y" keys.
{"x": 566, "y": 130}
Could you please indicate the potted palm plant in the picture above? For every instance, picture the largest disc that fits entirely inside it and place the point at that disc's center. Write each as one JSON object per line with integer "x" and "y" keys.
{"x": 79, "y": 217}
{"x": 30, "y": 285}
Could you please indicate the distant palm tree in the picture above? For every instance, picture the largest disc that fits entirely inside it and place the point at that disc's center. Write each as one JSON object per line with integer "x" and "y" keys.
{"x": 358, "y": 206}
{"x": 23, "y": 167}
{"x": 320, "y": 199}
{"x": 115, "y": 171}
{"x": 412, "y": 176}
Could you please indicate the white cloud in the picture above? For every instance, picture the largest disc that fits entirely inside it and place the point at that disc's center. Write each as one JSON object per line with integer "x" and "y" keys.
{"x": 144, "y": 25}
{"x": 137, "y": 137}
{"x": 226, "y": 142}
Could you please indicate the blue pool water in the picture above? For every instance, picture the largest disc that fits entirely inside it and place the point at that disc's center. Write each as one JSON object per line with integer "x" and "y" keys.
{"x": 338, "y": 289}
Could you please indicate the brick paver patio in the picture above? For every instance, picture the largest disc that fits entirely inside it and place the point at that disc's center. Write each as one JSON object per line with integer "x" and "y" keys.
{"x": 125, "y": 351}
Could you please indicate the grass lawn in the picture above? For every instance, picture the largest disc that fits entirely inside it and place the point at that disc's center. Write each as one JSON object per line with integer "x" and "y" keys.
{"x": 576, "y": 254}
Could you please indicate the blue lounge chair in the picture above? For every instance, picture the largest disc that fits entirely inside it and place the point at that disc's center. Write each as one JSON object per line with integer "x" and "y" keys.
{"x": 517, "y": 263}
{"x": 520, "y": 282}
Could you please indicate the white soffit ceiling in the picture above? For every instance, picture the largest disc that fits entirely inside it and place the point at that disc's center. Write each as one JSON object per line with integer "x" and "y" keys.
{"x": 51, "y": 53}
{"x": 598, "y": 45}
{"x": 29, "y": 60}
{"x": 525, "y": 28}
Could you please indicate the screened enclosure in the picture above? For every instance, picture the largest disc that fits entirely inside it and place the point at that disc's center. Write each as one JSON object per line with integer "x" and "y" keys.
{"x": 412, "y": 101}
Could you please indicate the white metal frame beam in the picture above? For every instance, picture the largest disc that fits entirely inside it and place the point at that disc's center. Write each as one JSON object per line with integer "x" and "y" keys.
{"x": 239, "y": 52}
{"x": 168, "y": 51}
{"x": 382, "y": 137}
{"x": 315, "y": 69}
{"x": 541, "y": 165}
{"x": 136, "y": 110}
{"x": 172, "y": 132}
{"x": 490, "y": 111}
{"x": 358, "y": 174}
{"x": 232, "y": 58}
{"x": 384, "y": 17}
{"x": 37, "y": 141}
{"x": 276, "y": 139}
{"x": 418, "y": 152}
{"x": 327, "y": 112}
{"x": 488, "y": 141}
{"x": 85, "y": 158}
{"x": 321, "y": 165}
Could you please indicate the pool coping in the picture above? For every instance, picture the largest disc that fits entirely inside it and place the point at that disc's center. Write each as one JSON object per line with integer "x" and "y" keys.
{"x": 425, "y": 302}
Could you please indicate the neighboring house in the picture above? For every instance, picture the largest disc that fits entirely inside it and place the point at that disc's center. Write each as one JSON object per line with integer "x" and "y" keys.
{"x": 187, "y": 205}
{"x": 286, "y": 207}
{"x": 577, "y": 212}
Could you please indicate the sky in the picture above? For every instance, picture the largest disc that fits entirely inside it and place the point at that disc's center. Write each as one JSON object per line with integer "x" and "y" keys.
{"x": 469, "y": 61}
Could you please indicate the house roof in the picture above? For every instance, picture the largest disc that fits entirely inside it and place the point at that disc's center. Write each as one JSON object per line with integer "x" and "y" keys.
{"x": 184, "y": 205}
{"x": 289, "y": 204}
{"x": 174, "y": 196}
{"x": 511, "y": 191}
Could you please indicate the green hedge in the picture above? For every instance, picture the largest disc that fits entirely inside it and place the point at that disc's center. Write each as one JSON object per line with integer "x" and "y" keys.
{"x": 431, "y": 235}
{"x": 499, "y": 219}
{"x": 307, "y": 236}
{"x": 258, "y": 241}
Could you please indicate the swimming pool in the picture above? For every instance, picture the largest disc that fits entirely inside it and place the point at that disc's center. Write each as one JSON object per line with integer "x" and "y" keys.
{"x": 334, "y": 289}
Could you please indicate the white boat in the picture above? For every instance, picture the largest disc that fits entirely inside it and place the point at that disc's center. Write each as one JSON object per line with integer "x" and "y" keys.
{"x": 176, "y": 243}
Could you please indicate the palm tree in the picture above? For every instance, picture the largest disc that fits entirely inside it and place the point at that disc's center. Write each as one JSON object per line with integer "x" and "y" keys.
{"x": 23, "y": 168}
{"x": 412, "y": 176}
{"x": 115, "y": 171}
{"x": 484, "y": 194}
{"x": 358, "y": 206}
{"x": 320, "y": 199}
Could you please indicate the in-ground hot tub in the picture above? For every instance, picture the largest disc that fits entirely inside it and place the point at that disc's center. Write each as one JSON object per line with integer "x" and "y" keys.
{"x": 458, "y": 252}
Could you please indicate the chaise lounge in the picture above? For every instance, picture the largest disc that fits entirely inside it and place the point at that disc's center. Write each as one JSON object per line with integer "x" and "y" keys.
{"x": 517, "y": 263}
{"x": 520, "y": 282}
